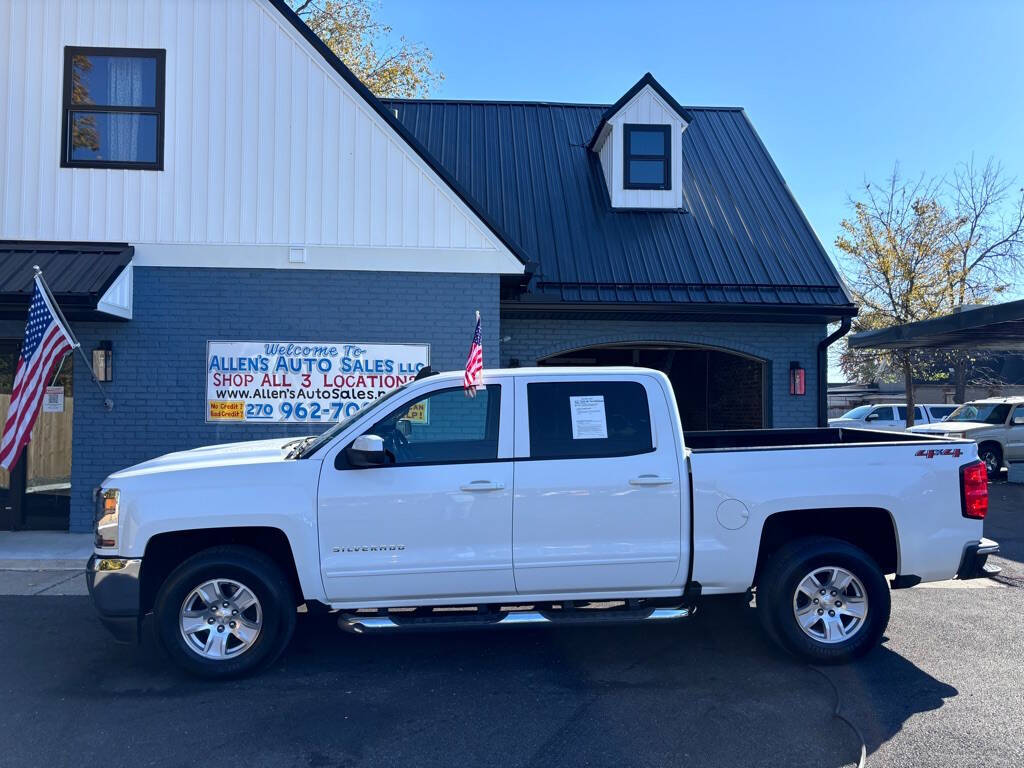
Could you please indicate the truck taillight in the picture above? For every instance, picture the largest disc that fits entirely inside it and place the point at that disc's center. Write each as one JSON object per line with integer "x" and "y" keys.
{"x": 974, "y": 490}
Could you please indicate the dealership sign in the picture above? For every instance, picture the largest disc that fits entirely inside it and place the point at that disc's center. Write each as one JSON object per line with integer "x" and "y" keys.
{"x": 255, "y": 381}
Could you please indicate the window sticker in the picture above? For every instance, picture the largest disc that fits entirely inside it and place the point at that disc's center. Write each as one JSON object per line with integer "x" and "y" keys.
{"x": 588, "y": 417}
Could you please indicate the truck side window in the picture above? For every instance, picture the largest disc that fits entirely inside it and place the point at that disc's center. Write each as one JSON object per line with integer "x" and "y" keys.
{"x": 616, "y": 415}
{"x": 883, "y": 413}
{"x": 443, "y": 427}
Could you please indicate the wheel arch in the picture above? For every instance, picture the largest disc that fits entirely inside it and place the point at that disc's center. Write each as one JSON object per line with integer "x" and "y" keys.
{"x": 166, "y": 551}
{"x": 872, "y": 529}
{"x": 991, "y": 441}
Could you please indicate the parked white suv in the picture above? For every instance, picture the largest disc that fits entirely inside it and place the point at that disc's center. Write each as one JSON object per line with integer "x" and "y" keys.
{"x": 891, "y": 416}
{"x": 554, "y": 496}
{"x": 995, "y": 424}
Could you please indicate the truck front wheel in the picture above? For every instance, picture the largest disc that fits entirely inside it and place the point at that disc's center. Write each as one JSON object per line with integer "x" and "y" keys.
{"x": 225, "y": 612}
{"x": 824, "y": 600}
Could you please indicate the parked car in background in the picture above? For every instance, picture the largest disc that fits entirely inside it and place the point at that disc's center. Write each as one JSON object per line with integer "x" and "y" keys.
{"x": 891, "y": 416}
{"x": 995, "y": 424}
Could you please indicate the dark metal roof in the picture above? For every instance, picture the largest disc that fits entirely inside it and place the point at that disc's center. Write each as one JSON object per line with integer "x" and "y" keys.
{"x": 740, "y": 240}
{"x": 78, "y": 274}
{"x": 1000, "y": 326}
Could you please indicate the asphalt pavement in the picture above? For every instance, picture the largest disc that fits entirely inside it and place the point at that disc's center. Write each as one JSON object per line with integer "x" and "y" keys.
{"x": 945, "y": 689}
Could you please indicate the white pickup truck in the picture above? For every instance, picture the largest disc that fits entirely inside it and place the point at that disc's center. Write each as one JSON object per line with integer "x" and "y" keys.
{"x": 555, "y": 495}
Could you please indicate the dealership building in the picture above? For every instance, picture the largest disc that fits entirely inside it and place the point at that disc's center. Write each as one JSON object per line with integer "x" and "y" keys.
{"x": 249, "y": 244}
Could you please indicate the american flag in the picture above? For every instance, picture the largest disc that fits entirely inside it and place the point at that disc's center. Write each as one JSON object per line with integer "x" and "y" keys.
{"x": 46, "y": 343}
{"x": 474, "y": 378}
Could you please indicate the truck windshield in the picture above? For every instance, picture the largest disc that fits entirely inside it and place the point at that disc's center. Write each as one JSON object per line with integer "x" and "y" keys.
{"x": 987, "y": 413}
{"x": 324, "y": 438}
{"x": 857, "y": 413}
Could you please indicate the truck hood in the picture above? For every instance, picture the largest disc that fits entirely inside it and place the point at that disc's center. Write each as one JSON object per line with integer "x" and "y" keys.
{"x": 846, "y": 423}
{"x": 226, "y": 454}
{"x": 949, "y": 427}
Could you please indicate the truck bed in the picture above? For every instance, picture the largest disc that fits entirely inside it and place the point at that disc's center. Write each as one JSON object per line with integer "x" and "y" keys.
{"x": 735, "y": 439}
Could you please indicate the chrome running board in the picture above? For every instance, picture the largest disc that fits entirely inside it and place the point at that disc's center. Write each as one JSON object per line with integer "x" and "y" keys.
{"x": 367, "y": 623}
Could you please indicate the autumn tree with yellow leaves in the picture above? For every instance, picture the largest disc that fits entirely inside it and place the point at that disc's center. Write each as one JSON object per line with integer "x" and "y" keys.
{"x": 913, "y": 250}
{"x": 352, "y": 30}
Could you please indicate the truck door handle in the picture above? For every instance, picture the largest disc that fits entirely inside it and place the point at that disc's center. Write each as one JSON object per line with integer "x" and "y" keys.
{"x": 482, "y": 485}
{"x": 650, "y": 480}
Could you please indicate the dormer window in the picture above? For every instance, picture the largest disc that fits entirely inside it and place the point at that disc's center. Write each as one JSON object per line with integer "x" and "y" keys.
{"x": 648, "y": 156}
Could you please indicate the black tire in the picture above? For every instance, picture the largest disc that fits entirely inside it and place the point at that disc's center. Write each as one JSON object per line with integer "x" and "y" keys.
{"x": 259, "y": 574}
{"x": 992, "y": 455}
{"x": 777, "y": 587}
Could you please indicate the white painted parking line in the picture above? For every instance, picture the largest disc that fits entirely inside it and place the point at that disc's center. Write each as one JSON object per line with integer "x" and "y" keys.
{"x": 958, "y": 584}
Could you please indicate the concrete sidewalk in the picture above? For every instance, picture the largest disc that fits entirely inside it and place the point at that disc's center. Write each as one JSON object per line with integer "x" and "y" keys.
{"x": 44, "y": 550}
{"x": 43, "y": 562}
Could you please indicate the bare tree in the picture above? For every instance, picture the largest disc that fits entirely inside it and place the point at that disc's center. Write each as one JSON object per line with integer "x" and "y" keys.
{"x": 988, "y": 244}
{"x": 898, "y": 253}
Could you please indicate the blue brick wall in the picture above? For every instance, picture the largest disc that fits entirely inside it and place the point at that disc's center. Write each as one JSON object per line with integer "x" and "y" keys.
{"x": 159, "y": 387}
{"x": 531, "y": 339}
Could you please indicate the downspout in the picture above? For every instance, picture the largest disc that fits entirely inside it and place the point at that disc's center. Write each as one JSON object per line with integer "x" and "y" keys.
{"x": 823, "y": 345}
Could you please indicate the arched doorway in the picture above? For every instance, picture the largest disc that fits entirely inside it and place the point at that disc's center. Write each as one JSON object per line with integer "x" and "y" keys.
{"x": 715, "y": 388}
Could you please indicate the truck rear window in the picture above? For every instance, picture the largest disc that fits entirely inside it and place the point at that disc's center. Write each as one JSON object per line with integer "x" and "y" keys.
{"x": 580, "y": 419}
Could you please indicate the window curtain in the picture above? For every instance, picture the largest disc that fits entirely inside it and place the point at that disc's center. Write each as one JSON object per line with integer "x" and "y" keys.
{"x": 124, "y": 87}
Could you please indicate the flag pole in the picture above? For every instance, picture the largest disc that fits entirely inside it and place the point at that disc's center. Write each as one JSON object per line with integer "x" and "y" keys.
{"x": 107, "y": 402}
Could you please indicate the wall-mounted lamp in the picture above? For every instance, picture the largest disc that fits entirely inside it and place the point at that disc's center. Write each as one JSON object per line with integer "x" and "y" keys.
{"x": 103, "y": 361}
{"x": 797, "y": 379}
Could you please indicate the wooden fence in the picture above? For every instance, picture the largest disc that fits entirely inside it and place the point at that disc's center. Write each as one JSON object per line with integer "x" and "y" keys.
{"x": 49, "y": 451}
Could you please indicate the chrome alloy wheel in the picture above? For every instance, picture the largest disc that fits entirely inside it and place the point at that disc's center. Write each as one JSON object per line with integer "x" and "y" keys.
{"x": 992, "y": 462}
{"x": 830, "y": 605}
{"x": 220, "y": 619}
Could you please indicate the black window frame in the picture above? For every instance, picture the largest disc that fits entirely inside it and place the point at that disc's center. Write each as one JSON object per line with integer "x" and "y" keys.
{"x": 494, "y": 393}
{"x": 160, "y": 57}
{"x": 627, "y": 155}
{"x": 587, "y": 384}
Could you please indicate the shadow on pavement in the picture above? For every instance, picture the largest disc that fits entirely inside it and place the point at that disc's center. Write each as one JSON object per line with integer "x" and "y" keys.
{"x": 709, "y": 691}
{"x": 1005, "y": 520}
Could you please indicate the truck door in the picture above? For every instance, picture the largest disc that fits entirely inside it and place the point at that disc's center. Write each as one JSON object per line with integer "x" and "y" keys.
{"x": 882, "y": 417}
{"x": 599, "y": 497}
{"x": 435, "y": 521}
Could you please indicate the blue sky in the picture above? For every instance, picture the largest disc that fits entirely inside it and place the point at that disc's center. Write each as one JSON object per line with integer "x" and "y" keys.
{"x": 837, "y": 90}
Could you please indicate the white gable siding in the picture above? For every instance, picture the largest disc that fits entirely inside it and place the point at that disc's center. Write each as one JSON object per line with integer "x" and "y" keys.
{"x": 264, "y": 145}
{"x": 605, "y": 154}
{"x": 646, "y": 107}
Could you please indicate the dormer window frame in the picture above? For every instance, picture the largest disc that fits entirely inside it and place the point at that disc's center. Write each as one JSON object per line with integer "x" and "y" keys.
{"x": 665, "y": 158}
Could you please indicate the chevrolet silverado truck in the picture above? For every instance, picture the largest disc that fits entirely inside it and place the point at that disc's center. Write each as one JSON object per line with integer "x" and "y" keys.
{"x": 551, "y": 496}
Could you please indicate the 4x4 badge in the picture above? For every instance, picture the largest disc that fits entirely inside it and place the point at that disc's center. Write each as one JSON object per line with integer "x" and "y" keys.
{"x": 931, "y": 453}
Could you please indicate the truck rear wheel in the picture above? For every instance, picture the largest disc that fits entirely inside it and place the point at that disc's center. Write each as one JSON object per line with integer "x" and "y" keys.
{"x": 823, "y": 600}
{"x": 225, "y": 612}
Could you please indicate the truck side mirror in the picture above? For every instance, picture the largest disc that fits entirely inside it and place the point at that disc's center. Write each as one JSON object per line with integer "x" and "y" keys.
{"x": 1017, "y": 420}
{"x": 366, "y": 451}
{"x": 871, "y": 417}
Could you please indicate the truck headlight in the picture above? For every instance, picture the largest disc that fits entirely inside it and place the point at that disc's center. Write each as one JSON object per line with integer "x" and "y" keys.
{"x": 108, "y": 502}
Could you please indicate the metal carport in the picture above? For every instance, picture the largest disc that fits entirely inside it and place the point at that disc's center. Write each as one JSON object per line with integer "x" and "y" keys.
{"x": 998, "y": 326}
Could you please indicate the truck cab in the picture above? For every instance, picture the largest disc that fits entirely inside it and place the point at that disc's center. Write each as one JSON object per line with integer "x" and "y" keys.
{"x": 891, "y": 416}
